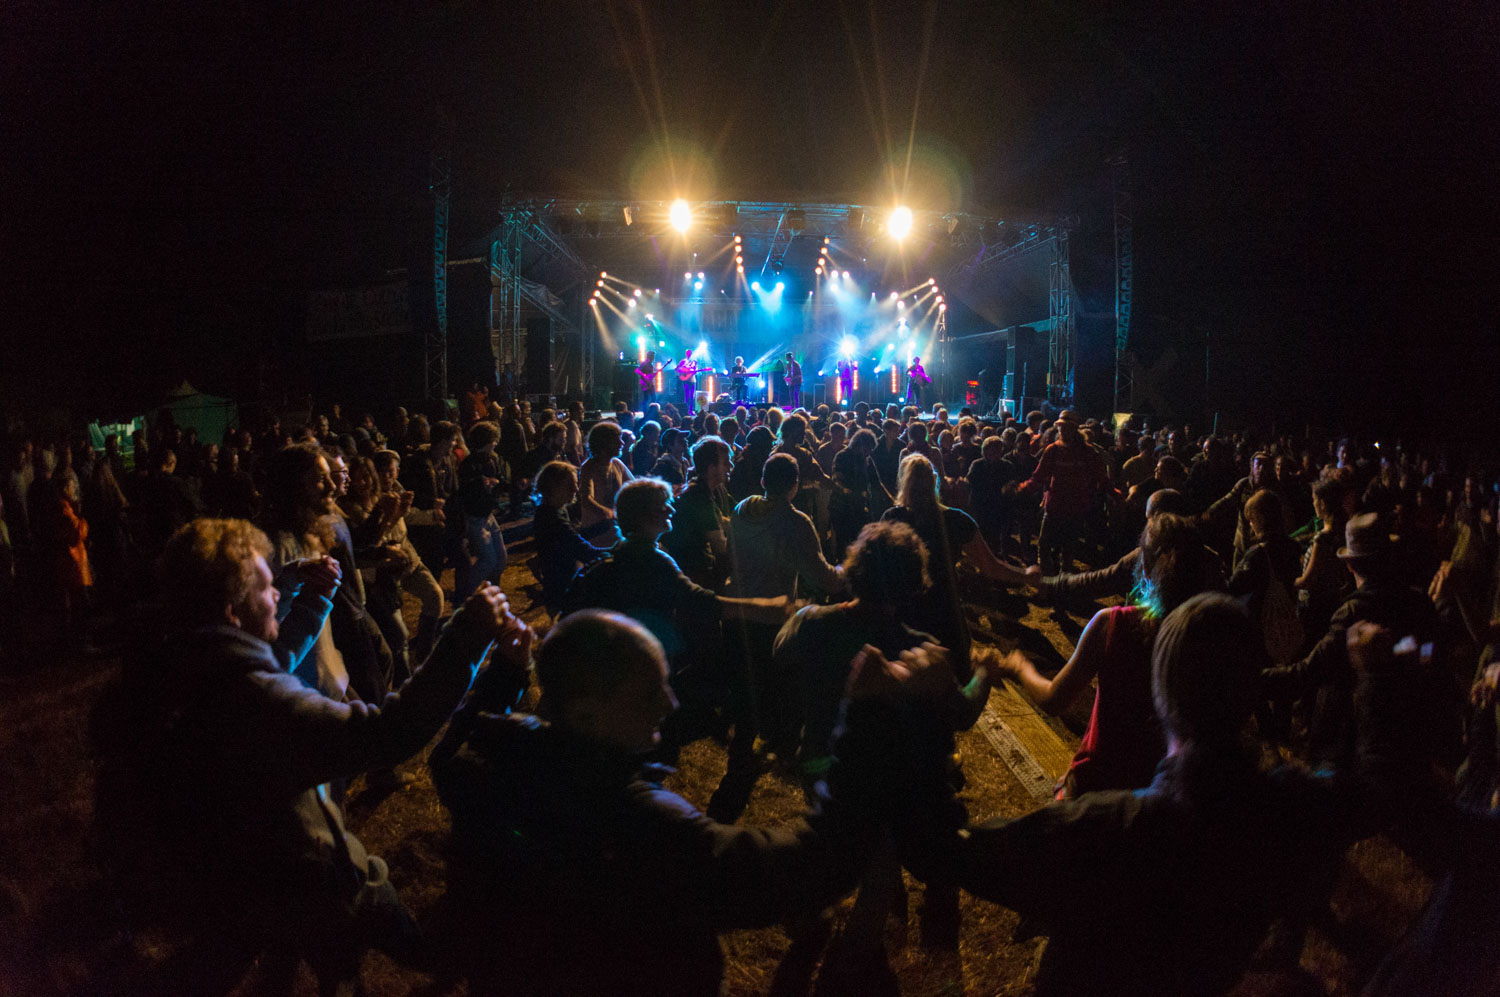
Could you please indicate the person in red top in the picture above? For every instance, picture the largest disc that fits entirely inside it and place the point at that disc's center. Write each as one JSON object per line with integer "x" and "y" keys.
{"x": 1069, "y": 472}
{"x": 1123, "y": 743}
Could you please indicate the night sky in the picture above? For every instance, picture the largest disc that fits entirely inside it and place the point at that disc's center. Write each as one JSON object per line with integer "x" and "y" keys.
{"x": 1316, "y": 187}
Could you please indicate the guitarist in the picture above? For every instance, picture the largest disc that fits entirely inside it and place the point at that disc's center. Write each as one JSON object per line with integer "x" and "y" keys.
{"x": 737, "y": 375}
{"x": 687, "y": 374}
{"x": 916, "y": 377}
{"x": 793, "y": 377}
{"x": 647, "y": 374}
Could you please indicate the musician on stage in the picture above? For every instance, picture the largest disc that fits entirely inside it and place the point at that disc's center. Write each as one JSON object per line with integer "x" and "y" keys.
{"x": 916, "y": 377}
{"x": 737, "y": 376}
{"x": 846, "y": 369}
{"x": 687, "y": 374}
{"x": 646, "y": 371}
{"x": 793, "y": 377}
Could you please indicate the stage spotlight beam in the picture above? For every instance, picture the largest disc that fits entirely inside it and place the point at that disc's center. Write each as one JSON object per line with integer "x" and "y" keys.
{"x": 680, "y": 215}
{"x": 899, "y": 224}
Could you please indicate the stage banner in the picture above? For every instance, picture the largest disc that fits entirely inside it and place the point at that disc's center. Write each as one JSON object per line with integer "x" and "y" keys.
{"x": 358, "y": 312}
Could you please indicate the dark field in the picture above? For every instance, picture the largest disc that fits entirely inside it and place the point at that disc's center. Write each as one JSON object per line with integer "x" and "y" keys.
{"x": 61, "y": 931}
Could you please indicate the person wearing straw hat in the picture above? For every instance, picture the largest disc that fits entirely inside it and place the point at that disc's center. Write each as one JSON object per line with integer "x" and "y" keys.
{"x": 1324, "y": 677}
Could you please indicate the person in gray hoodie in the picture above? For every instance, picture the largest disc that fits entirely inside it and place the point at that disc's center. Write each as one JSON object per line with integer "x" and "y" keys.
{"x": 775, "y": 552}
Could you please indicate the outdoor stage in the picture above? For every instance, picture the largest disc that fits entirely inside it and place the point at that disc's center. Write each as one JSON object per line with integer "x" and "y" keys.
{"x": 581, "y": 290}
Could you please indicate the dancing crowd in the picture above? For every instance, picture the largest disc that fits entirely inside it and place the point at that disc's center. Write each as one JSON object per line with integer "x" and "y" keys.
{"x": 1298, "y": 651}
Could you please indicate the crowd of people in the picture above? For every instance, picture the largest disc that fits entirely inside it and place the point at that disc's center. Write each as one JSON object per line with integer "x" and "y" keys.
{"x": 795, "y": 583}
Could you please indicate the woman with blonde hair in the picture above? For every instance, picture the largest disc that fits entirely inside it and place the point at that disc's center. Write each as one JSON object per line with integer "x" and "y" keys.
{"x": 949, "y": 535}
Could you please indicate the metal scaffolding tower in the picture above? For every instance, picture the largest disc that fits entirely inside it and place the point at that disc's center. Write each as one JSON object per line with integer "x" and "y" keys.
{"x": 525, "y": 232}
{"x": 1124, "y": 279}
{"x": 435, "y": 340}
{"x": 1060, "y": 339}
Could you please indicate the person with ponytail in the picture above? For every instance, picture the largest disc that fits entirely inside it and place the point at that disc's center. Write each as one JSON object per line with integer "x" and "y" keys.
{"x": 1123, "y": 741}
{"x": 949, "y": 535}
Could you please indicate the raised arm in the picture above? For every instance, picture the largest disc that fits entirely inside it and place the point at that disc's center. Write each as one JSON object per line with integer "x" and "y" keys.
{"x": 1054, "y": 694}
{"x": 980, "y": 555}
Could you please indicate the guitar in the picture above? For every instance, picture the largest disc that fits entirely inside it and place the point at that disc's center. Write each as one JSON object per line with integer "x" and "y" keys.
{"x": 686, "y": 370}
{"x": 647, "y": 377}
{"x": 916, "y": 373}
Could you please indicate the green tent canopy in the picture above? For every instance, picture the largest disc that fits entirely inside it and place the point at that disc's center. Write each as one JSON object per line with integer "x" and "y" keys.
{"x": 208, "y": 414}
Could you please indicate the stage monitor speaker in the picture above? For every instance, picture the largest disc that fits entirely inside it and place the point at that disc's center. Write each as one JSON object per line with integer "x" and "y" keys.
{"x": 538, "y": 373}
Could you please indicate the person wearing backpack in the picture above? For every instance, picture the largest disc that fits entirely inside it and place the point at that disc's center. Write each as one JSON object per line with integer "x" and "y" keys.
{"x": 1265, "y": 577}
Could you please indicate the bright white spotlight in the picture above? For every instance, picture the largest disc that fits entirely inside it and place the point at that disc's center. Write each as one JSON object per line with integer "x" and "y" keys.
{"x": 697, "y": 285}
{"x": 847, "y": 346}
{"x": 932, "y": 280}
{"x": 846, "y": 275}
{"x": 687, "y": 276}
{"x": 780, "y": 285}
{"x": 819, "y": 271}
{"x": 901, "y": 305}
{"x": 681, "y": 216}
{"x": 700, "y": 274}
{"x": 702, "y": 348}
{"x": 637, "y": 292}
{"x": 755, "y": 285}
{"x": 894, "y": 295}
{"x": 739, "y": 269}
{"x": 942, "y": 308}
{"x": 900, "y": 223}
{"x": 650, "y": 317}
{"x": 631, "y": 303}
{"x": 603, "y": 273}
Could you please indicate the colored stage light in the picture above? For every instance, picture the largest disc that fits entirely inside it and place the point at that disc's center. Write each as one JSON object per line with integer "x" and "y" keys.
{"x": 780, "y": 286}
{"x": 846, "y": 275}
{"x": 661, "y": 343}
{"x": 847, "y": 346}
{"x": 631, "y": 303}
{"x": 932, "y": 281}
{"x": 702, "y": 349}
{"x": 739, "y": 268}
{"x": 894, "y": 295}
{"x": 899, "y": 224}
{"x": 755, "y": 285}
{"x": 603, "y": 273}
{"x": 681, "y": 215}
{"x": 700, "y": 274}
{"x": 637, "y": 292}
{"x": 687, "y": 276}
{"x": 697, "y": 285}
{"x": 942, "y": 308}
{"x": 901, "y": 305}
{"x": 819, "y": 271}
{"x": 599, "y": 284}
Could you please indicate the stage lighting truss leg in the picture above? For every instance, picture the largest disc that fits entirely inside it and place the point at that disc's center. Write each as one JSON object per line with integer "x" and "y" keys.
{"x": 1060, "y": 339}
{"x": 435, "y": 345}
{"x": 1124, "y": 281}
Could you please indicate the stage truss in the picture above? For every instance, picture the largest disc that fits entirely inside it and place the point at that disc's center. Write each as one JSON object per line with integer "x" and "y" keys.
{"x": 538, "y": 264}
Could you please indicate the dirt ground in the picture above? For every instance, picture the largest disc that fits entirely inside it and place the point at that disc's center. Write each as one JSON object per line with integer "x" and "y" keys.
{"x": 60, "y": 930}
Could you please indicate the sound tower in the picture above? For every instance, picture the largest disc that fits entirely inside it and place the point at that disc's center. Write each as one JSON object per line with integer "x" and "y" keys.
{"x": 538, "y": 371}
{"x": 1025, "y": 367}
